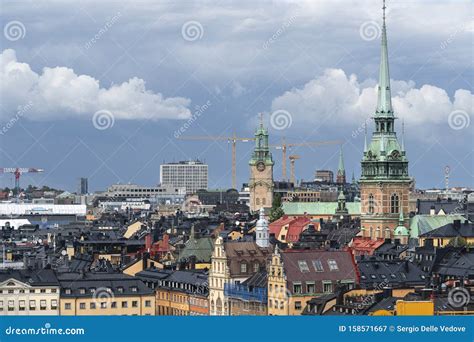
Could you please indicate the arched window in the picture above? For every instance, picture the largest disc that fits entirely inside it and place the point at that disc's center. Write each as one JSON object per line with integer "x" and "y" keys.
{"x": 258, "y": 201}
{"x": 371, "y": 204}
{"x": 394, "y": 204}
{"x": 387, "y": 233}
{"x": 219, "y": 306}
{"x": 264, "y": 201}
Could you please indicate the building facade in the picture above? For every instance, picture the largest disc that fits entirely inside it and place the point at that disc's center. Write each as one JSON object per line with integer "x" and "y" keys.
{"x": 104, "y": 294}
{"x": 384, "y": 182}
{"x": 27, "y": 293}
{"x": 261, "y": 172}
{"x": 192, "y": 175}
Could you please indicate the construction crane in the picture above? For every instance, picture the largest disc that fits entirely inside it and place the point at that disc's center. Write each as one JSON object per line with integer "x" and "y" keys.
{"x": 232, "y": 139}
{"x": 284, "y": 146}
{"x": 292, "y": 166}
{"x": 18, "y": 171}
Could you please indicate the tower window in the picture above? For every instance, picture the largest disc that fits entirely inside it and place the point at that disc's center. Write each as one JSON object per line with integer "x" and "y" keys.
{"x": 371, "y": 204}
{"x": 394, "y": 204}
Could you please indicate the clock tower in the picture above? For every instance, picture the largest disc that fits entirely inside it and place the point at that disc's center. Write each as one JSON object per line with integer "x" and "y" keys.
{"x": 261, "y": 172}
{"x": 384, "y": 182}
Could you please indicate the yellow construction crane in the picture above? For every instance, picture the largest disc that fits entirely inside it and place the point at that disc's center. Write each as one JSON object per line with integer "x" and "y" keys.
{"x": 284, "y": 146}
{"x": 232, "y": 139}
{"x": 292, "y": 167}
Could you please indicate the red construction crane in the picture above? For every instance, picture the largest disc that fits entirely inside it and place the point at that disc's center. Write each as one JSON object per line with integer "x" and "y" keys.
{"x": 18, "y": 171}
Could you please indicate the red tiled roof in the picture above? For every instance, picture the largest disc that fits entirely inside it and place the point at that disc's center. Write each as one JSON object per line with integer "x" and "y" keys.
{"x": 366, "y": 245}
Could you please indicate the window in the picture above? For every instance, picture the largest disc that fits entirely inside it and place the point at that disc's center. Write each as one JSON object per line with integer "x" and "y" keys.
{"x": 256, "y": 267}
{"x": 54, "y": 304}
{"x": 297, "y": 288}
{"x": 21, "y": 305}
{"x": 92, "y": 306}
{"x": 148, "y": 303}
{"x": 310, "y": 287}
{"x": 43, "y": 304}
{"x": 82, "y": 306}
{"x": 103, "y": 305}
{"x": 298, "y": 305}
{"x": 43, "y": 290}
{"x": 67, "y": 306}
{"x": 134, "y": 289}
{"x": 82, "y": 290}
{"x": 394, "y": 204}
{"x": 124, "y": 304}
{"x": 120, "y": 289}
{"x": 371, "y": 204}
{"x": 243, "y": 267}
{"x": 11, "y": 305}
{"x": 303, "y": 266}
{"x": 327, "y": 287}
{"x": 67, "y": 291}
{"x": 333, "y": 265}
{"x": 134, "y": 304}
{"x": 113, "y": 305}
{"x": 318, "y": 266}
{"x": 32, "y": 305}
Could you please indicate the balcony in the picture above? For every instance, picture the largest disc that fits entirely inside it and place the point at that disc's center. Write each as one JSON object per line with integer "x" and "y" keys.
{"x": 243, "y": 292}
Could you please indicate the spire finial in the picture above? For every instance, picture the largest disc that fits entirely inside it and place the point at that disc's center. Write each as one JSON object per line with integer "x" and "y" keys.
{"x": 383, "y": 9}
{"x": 365, "y": 138}
{"x": 260, "y": 115}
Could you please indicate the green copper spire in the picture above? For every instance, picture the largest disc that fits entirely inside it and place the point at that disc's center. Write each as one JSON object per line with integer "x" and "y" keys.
{"x": 261, "y": 151}
{"x": 401, "y": 219}
{"x": 341, "y": 171}
{"x": 384, "y": 100}
{"x": 340, "y": 167}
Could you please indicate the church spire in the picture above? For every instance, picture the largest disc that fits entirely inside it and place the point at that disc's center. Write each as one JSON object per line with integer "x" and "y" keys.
{"x": 341, "y": 171}
{"x": 384, "y": 100}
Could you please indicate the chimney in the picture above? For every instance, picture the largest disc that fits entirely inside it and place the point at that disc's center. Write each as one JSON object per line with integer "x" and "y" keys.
{"x": 166, "y": 242}
{"x": 148, "y": 242}
{"x": 145, "y": 257}
{"x": 457, "y": 224}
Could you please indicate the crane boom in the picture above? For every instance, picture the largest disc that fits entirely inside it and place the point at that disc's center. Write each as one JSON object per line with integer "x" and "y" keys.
{"x": 284, "y": 147}
{"x": 18, "y": 171}
{"x": 232, "y": 139}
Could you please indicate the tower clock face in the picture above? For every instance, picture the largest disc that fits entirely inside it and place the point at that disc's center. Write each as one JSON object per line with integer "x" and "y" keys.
{"x": 260, "y": 166}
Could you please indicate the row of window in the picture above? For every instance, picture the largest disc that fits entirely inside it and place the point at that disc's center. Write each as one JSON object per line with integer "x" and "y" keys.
{"x": 12, "y": 305}
{"x": 13, "y": 291}
{"x": 394, "y": 204}
{"x": 104, "y": 305}
{"x": 92, "y": 290}
{"x": 317, "y": 265}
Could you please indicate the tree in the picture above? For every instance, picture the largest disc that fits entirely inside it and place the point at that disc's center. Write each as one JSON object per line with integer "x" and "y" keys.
{"x": 276, "y": 211}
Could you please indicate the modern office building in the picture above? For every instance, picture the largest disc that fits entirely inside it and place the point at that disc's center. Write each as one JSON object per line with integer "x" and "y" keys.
{"x": 193, "y": 175}
{"x": 82, "y": 186}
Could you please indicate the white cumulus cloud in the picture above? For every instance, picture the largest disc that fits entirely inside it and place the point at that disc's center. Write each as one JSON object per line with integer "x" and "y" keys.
{"x": 59, "y": 92}
{"x": 337, "y": 98}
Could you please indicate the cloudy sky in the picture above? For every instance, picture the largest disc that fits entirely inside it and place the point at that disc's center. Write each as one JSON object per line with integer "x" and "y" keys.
{"x": 103, "y": 89}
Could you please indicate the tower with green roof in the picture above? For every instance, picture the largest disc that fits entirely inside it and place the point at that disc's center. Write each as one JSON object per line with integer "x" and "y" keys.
{"x": 261, "y": 171}
{"x": 384, "y": 181}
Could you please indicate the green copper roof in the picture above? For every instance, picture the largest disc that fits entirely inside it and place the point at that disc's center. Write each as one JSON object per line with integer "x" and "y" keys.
{"x": 384, "y": 100}
{"x": 420, "y": 224}
{"x": 318, "y": 208}
{"x": 201, "y": 248}
{"x": 401, "y": 231}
